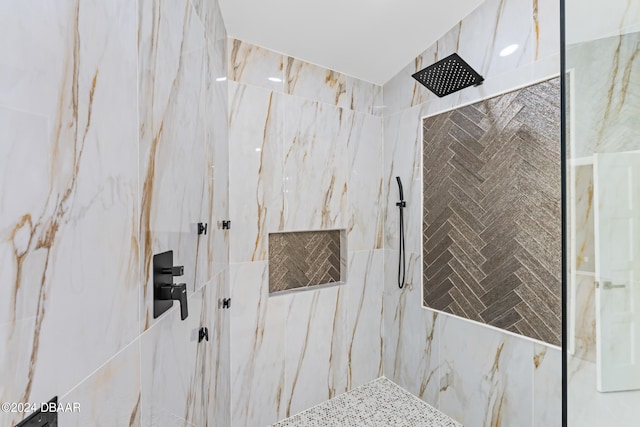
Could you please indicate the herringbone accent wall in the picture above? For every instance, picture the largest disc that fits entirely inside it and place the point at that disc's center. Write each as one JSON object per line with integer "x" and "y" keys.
{"x": 303, "y": 259}
{"x": 491, "y": 220}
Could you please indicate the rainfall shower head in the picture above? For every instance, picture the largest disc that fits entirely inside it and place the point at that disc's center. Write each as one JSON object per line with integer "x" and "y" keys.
{"x": 448, "y": 75}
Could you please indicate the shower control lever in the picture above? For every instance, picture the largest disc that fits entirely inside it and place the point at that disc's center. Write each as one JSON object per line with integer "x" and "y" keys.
{"x": 177, "y": 270}
{"x": 165, "y": 292}
{"x": 175, "y": 293}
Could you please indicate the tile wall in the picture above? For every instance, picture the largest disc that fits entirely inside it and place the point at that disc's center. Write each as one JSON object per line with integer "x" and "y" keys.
{"x": 305, "y": 154}
{"x": 492, "y": 212}
{"x": 477, "y": 374}
{"x": 110, "y": 104}
{"x": 104, "y": 107}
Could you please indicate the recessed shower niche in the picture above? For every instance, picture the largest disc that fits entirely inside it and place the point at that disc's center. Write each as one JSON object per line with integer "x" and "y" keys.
{"x": 305, "y": 259}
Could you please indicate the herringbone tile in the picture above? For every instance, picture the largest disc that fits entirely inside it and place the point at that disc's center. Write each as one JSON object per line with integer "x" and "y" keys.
{"x": 491, "y": 224}
{"x": 303, "y": 259}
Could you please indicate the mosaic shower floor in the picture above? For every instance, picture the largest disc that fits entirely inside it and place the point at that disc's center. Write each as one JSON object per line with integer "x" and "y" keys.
{"x": 380, "y": 403}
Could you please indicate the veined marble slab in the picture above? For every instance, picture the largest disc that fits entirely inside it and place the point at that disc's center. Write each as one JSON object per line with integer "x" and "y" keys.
{"x": 68, "y": 193}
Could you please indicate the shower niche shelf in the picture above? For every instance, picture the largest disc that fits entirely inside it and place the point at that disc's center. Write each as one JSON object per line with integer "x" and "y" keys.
{"x": 300, "y": 260}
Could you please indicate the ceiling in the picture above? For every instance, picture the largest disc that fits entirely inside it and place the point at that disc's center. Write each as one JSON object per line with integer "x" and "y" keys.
{"x": 368, "y": 39}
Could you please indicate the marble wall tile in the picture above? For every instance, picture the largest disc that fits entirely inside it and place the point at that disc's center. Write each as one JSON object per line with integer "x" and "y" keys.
{"x": 486, "y": 376}
{"x": 256, "y": 175}
{"x": 257, "y": 347}
{"x": 403, "y": 158}
{"x": 69, "y": 180}
{"x": 315, "y": 164}
{"x": 582, "y": 207}
{"x": 213, "y": 252}
{"x": 177, "y": 98}
{"x": 110, "y": 396}
{"x": 255, "y": 65}
{"x": 365, "y": 183}
{"x": 295, "y": 155}
{"x": 363, "y": 302}
{"x": 321, "y": 84}
{"x": 588, "y": 20}
{"x": 411, "y": 334}
{"x": 315, "y": 343}
{"x": 547, "y": 386}
{"x": 481, "y": 35}
{"x": 546, "y": 29}
{"x": 402, "y": 91}
{"x": 211, "y": 18}
{"x": 182, "y": 378}
{"x": 584, "y": 317}
{"x": 605, "y": 113}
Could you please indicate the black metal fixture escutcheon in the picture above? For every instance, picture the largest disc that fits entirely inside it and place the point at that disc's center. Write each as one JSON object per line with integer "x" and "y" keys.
{"x": 203, "y": 334}
{"x": 165, "y": 292}
{"x": 202, "y": 228}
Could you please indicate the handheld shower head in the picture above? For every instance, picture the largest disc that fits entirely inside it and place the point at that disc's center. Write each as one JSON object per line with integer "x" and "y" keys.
{"x": 402, "y": 268}
{"x": 400, "y": 188}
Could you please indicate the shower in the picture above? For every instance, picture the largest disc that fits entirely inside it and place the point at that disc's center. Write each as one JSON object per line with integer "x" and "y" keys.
{"x": 448, "y": 75}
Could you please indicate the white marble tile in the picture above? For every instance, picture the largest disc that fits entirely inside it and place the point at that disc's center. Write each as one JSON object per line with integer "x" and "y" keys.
{"x": 68, "y": 96}
{"x": 592, "y": 19}
{"x": 181, "y": 376}
{"x": 315, "y": 358}
{"x": 177, "y": 99}
{"x": 256, "y": 65}
{"x": 583, "y": 225}
{"x": 213, "y": 248}
{"x": 256, "y": 173}
{"x": 605, "y": 112}
{"x": 546, "y": 68}
{"x": 363, "y": 303}
{"x": 403, "y": 158}
{"x": 321, "y": 84}
{"x": 547, "y": 386}
{"x": 257, "y": 347}
{"x": 315, "y": 164}
{"x": 211, "y": 18}
{"x": 584, "y": 317}
{"x": 546, "y": 29}
{"x": 411, "y": 337}
{"x": 365, "y": 189}
{"x": 25, "y": 167}
{"x": 110, "y": 396}
{"x": 402, "y": 91}
{"x": 481, "y": 35}
{"x": 486, "y": 376}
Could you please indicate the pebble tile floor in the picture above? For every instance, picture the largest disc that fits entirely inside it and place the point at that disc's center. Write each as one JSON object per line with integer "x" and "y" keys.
{"x": 380, "y": 403}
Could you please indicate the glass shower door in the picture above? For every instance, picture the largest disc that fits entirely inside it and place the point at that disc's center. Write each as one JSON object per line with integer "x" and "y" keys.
{"x": 602, "y": 144}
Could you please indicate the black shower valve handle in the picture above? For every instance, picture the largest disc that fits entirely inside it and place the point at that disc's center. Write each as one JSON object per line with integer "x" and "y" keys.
{"x": 176, "y": 270}
{"x": 176, "y": 293}
{"x": 181, "y": 289}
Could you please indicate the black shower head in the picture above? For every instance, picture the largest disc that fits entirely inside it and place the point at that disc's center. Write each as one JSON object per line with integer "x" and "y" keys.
{"x": 448, "y": 75}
